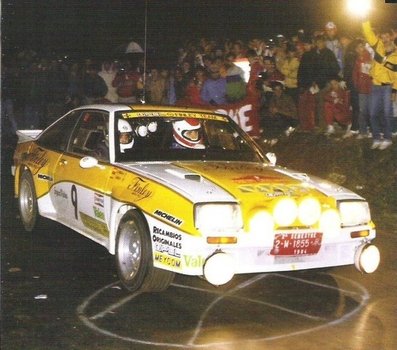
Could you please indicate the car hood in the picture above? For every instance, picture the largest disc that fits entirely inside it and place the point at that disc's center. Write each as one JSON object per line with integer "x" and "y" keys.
{"x": 236, "y": 181}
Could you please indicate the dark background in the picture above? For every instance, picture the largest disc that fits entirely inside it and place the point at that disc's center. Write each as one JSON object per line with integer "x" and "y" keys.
{"x": 88, "y": 28}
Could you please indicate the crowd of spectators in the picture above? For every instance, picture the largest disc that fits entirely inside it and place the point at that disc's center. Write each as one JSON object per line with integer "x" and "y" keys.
{"x": 311, "y": 82}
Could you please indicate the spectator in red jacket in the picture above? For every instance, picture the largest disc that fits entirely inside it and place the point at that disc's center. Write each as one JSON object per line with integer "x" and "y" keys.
{"x": 194, "y": 87}
{"x": 336, "y": 106}
{"x": 256, "y": 68}
{"x": 126, "y": 83}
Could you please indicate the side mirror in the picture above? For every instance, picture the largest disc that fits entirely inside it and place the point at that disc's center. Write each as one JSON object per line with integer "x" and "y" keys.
{"x": 272, "y": 158}
{"x": 89, "y": 162}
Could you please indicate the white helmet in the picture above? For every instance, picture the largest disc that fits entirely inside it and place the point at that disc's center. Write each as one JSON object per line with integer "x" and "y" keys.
{"x": 187, "y": 133}
{"x": 126, "y": 137}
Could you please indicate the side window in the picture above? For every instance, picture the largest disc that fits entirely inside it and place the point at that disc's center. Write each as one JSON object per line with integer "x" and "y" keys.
{"x": 221, "y": 137}
{"x": 57, "y": 136}
{"x": 91, "y": 136}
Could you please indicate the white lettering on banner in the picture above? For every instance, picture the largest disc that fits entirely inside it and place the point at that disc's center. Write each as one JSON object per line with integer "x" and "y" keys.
{"x": 239, "y": 115}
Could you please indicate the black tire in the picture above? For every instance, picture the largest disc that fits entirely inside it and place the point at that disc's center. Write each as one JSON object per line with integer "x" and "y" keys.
{"x": 27, "y": 202}
{"x": 134, "y": 258}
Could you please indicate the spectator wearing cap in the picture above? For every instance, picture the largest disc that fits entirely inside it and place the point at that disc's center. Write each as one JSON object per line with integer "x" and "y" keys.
{"x": 332, "y": 42}
{"x": 214, "y": 88}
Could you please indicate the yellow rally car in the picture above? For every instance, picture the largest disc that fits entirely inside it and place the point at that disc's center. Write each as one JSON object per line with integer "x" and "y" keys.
{"x": 173, "y": 190}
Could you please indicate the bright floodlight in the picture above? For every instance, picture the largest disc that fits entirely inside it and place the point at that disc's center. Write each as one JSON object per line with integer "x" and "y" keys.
{"x": 359, "y": 7}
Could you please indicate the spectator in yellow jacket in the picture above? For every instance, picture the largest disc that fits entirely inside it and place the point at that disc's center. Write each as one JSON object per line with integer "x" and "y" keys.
{"x": 383, "y": 83}
{"x": 289, "y": 67}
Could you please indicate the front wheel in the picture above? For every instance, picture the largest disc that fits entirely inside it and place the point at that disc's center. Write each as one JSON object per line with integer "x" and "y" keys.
{"x": 27, "y": 202}
{"x": 134, "y": 257}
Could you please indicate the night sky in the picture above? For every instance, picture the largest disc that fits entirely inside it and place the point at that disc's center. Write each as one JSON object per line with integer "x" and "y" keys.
{"x": 95, "y": 28}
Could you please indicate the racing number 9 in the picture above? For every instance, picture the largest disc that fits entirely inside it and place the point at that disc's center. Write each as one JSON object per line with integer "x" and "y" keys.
{"x": 74, "y": 201}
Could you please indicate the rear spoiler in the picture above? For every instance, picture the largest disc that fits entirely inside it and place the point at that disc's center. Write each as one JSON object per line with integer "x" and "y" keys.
{"x": 27, "y": 135}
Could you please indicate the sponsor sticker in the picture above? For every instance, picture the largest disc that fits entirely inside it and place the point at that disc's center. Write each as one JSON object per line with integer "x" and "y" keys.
{"x": 140, "y": 189}
{"x": 274, "y": 190}
{"x": 174, "y": 114}
{"x": 45, "y": 177}
{"x": 94, "y": 225}
{"x": 118, "y": 174}
{"x": 167, "y": 241}
{"x": 168, "y": 217}
{"x": 60, "y": 193}
{"x": 99, "y": 200}
{"x": 166, "y": 260}
{"x": 255, "y": 179}
{"x": 36, "y": 160}
{"x": 99, "y": 214}
{"x": 193, "y": 261}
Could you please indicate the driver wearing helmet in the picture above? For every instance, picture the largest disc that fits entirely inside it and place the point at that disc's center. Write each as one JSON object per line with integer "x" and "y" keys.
{"x": 188, "y": 134}
{"x": 126, "y": 137}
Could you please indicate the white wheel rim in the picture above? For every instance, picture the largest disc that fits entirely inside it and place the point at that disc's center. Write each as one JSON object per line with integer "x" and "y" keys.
{"x": 129, "y": 250}
{"x": 26, "y": 201}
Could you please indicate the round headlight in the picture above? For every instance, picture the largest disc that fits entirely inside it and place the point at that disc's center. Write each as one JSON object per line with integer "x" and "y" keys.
{"x": 330, "y": 221}
{"x": 309, "y": 211}
{"x": 285, "y": 212}
{"x": 261, "y": 223}
{"x": 367, "y": 258}
{"x": 219, "y": 268}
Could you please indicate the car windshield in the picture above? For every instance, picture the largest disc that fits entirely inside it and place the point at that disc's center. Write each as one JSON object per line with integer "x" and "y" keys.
{"x": 206, "y": 137}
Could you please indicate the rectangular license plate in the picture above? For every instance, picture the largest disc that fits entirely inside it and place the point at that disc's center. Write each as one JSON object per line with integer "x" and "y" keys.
{"x": 296, "y": 244}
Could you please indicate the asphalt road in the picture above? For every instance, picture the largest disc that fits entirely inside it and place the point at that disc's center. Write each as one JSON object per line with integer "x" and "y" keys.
{"x": 60, "y": 291}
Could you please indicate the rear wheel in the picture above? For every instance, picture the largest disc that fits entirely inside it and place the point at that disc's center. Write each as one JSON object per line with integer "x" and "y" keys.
{"x": 27, "y": 202}
{"x": 134, "y": 257}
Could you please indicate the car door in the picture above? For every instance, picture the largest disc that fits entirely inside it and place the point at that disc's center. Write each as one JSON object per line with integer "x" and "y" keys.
{"x": 45, "y": 155}
{"x": 84, "y": 202}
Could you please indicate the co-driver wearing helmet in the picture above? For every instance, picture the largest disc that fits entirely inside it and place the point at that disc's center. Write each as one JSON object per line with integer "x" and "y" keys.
{"x": 126, "y": 140}
{"x": 126, "y": 137}
{"x": 187, "y": 134}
